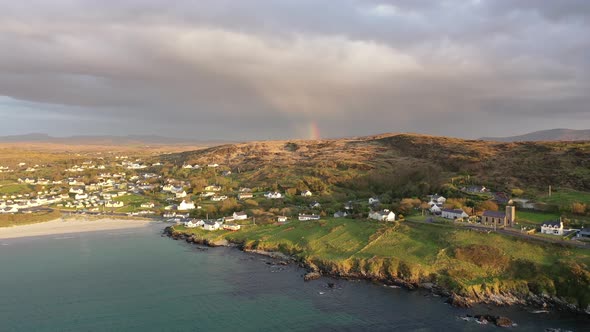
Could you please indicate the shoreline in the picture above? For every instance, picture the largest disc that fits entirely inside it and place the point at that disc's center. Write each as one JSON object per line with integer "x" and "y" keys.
{"x": 70, "y": 226}
{"x": 500, "y": 300}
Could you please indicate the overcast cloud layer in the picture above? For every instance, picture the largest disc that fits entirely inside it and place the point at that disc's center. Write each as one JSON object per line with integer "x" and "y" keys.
{"x": 270, "y": 69}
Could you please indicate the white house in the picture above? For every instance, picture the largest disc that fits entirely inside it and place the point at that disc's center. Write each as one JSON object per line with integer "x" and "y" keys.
{"x": 168, "y": 187}
{"x": 169, "y": 215}
{"x": 245, "y": 195}
{"x": 273, "y": 195}
{"x": 212, "y": 225}
{"x": 187, "y": 166}
{"x": 232, "y": 227}
{"x": 113, "y": 204}
{"x": 281, "y": 219}
{"x": 315, "y": 205}
{"x": 552, "y": 227}
{"x": 437, "y": 199}
{"x": 194, "y": 223}
{"x": 240, "y": 216}
{"x": 213, "y": 187}
{"x": 81, "y": 196}
{"x": 373, "y": 200}
{"x": 218, "y": 198}
{"x": 148, "y": 205}
{"x": 306, "y": 193}
{"x": 306, "y": 217}
{"x": 181, "y": 194}
{"x": 435, "y": 209}
{"x": 453, "y": 214}
{"x": 185, "y": 206}
{"x": 76, "y": 190}
{"x": 384, "y": 215}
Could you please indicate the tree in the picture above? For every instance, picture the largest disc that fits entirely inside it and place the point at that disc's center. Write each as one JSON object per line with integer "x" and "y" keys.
{"x": 487, "y": 205}
{"x": 408, "y": 204}
{"x": 579, "y": 208}
{"x": 229, "y": 205}
{"x": 470, "y": 204}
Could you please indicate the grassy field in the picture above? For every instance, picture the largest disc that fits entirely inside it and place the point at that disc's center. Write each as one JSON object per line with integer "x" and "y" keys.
{"x": 15, "y": 188}
{"x": 465, "y": 261}
{"x": 132, "y": 202}
{"x": 566, "y": 197}
{"x": 8, "y": 220}
{"x": 535, "y": 218}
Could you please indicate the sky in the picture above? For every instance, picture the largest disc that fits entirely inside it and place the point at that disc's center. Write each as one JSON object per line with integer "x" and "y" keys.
{"x": 281, "y": 69}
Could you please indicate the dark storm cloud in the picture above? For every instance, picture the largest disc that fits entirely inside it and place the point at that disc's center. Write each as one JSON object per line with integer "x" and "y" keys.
{"x": 264, "y": 69}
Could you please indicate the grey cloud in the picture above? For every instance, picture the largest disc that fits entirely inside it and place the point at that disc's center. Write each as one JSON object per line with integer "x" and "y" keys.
{"x": 264, "y": 69}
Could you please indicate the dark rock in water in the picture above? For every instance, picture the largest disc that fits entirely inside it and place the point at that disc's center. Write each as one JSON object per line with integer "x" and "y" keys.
{"x": 458, "y": 301}
{"x": 503, "y": 321}
{"x": 331, "y": 285}
{"x": 312, "y": 276}
{"x": 497, "y": 320}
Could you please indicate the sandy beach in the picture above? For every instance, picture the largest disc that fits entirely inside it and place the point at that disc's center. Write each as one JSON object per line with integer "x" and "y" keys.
{"x": 70, "y": 226}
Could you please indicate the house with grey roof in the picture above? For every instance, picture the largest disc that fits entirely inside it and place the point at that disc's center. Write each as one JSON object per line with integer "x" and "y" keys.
{"x": 552, "y": 227}
{"x": 453, "y": 214}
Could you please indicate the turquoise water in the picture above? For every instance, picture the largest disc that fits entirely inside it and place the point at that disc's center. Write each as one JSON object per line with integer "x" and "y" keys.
{"x": 139, "y": 281}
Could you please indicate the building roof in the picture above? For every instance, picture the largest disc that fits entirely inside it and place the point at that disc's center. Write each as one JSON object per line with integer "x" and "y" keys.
{"x": 494, "y": 214}
{"x": 455, "y": 211}
{"x": 552, "y": 223}
{"x": 585, "y": 230}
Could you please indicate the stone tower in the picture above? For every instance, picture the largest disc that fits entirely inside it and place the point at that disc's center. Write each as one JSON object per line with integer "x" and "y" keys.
{"x": 510, "y": 215}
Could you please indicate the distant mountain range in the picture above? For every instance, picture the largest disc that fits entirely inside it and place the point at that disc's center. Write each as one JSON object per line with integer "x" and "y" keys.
{"x": 546, "y": 136}
{"x": 106, "y": 140}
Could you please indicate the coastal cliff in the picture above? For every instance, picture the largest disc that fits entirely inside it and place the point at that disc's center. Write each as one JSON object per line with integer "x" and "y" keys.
{"x": 396, "y": 271}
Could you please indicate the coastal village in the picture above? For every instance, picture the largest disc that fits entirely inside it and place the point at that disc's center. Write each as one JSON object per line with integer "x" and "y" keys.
{"x": 406, "y": 226}
{"x": 122, "y": 185}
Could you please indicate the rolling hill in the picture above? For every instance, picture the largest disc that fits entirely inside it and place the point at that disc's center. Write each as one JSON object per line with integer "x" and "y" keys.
{"x": 546, "y": 136}
{"x": 405, "y": 164}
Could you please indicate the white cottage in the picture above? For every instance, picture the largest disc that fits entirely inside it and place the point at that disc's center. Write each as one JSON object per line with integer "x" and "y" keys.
{"x": 453, "y": 214}
{"x": 194, "y": 223}
{"x": 384, "y": 215}
{"x": 186, "y": 205}
{"x": 552, "y": 227}
{"x": 240, "y": 216}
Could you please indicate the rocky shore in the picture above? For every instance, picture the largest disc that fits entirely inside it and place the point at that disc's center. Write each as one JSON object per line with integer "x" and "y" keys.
{"x": 315, "y": 272}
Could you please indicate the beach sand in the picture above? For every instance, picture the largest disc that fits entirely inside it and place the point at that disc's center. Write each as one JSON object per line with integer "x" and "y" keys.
{"x": 69, "y": 226}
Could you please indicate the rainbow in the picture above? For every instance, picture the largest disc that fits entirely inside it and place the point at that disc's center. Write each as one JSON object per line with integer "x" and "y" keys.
{"x": 314, "y": 131}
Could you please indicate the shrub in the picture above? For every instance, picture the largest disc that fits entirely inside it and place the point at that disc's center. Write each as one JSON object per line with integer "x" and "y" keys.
{"x": 579, "y": 208}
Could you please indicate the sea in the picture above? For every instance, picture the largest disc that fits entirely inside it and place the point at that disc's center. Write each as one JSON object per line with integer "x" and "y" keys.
{"x": 137, "y": 280}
